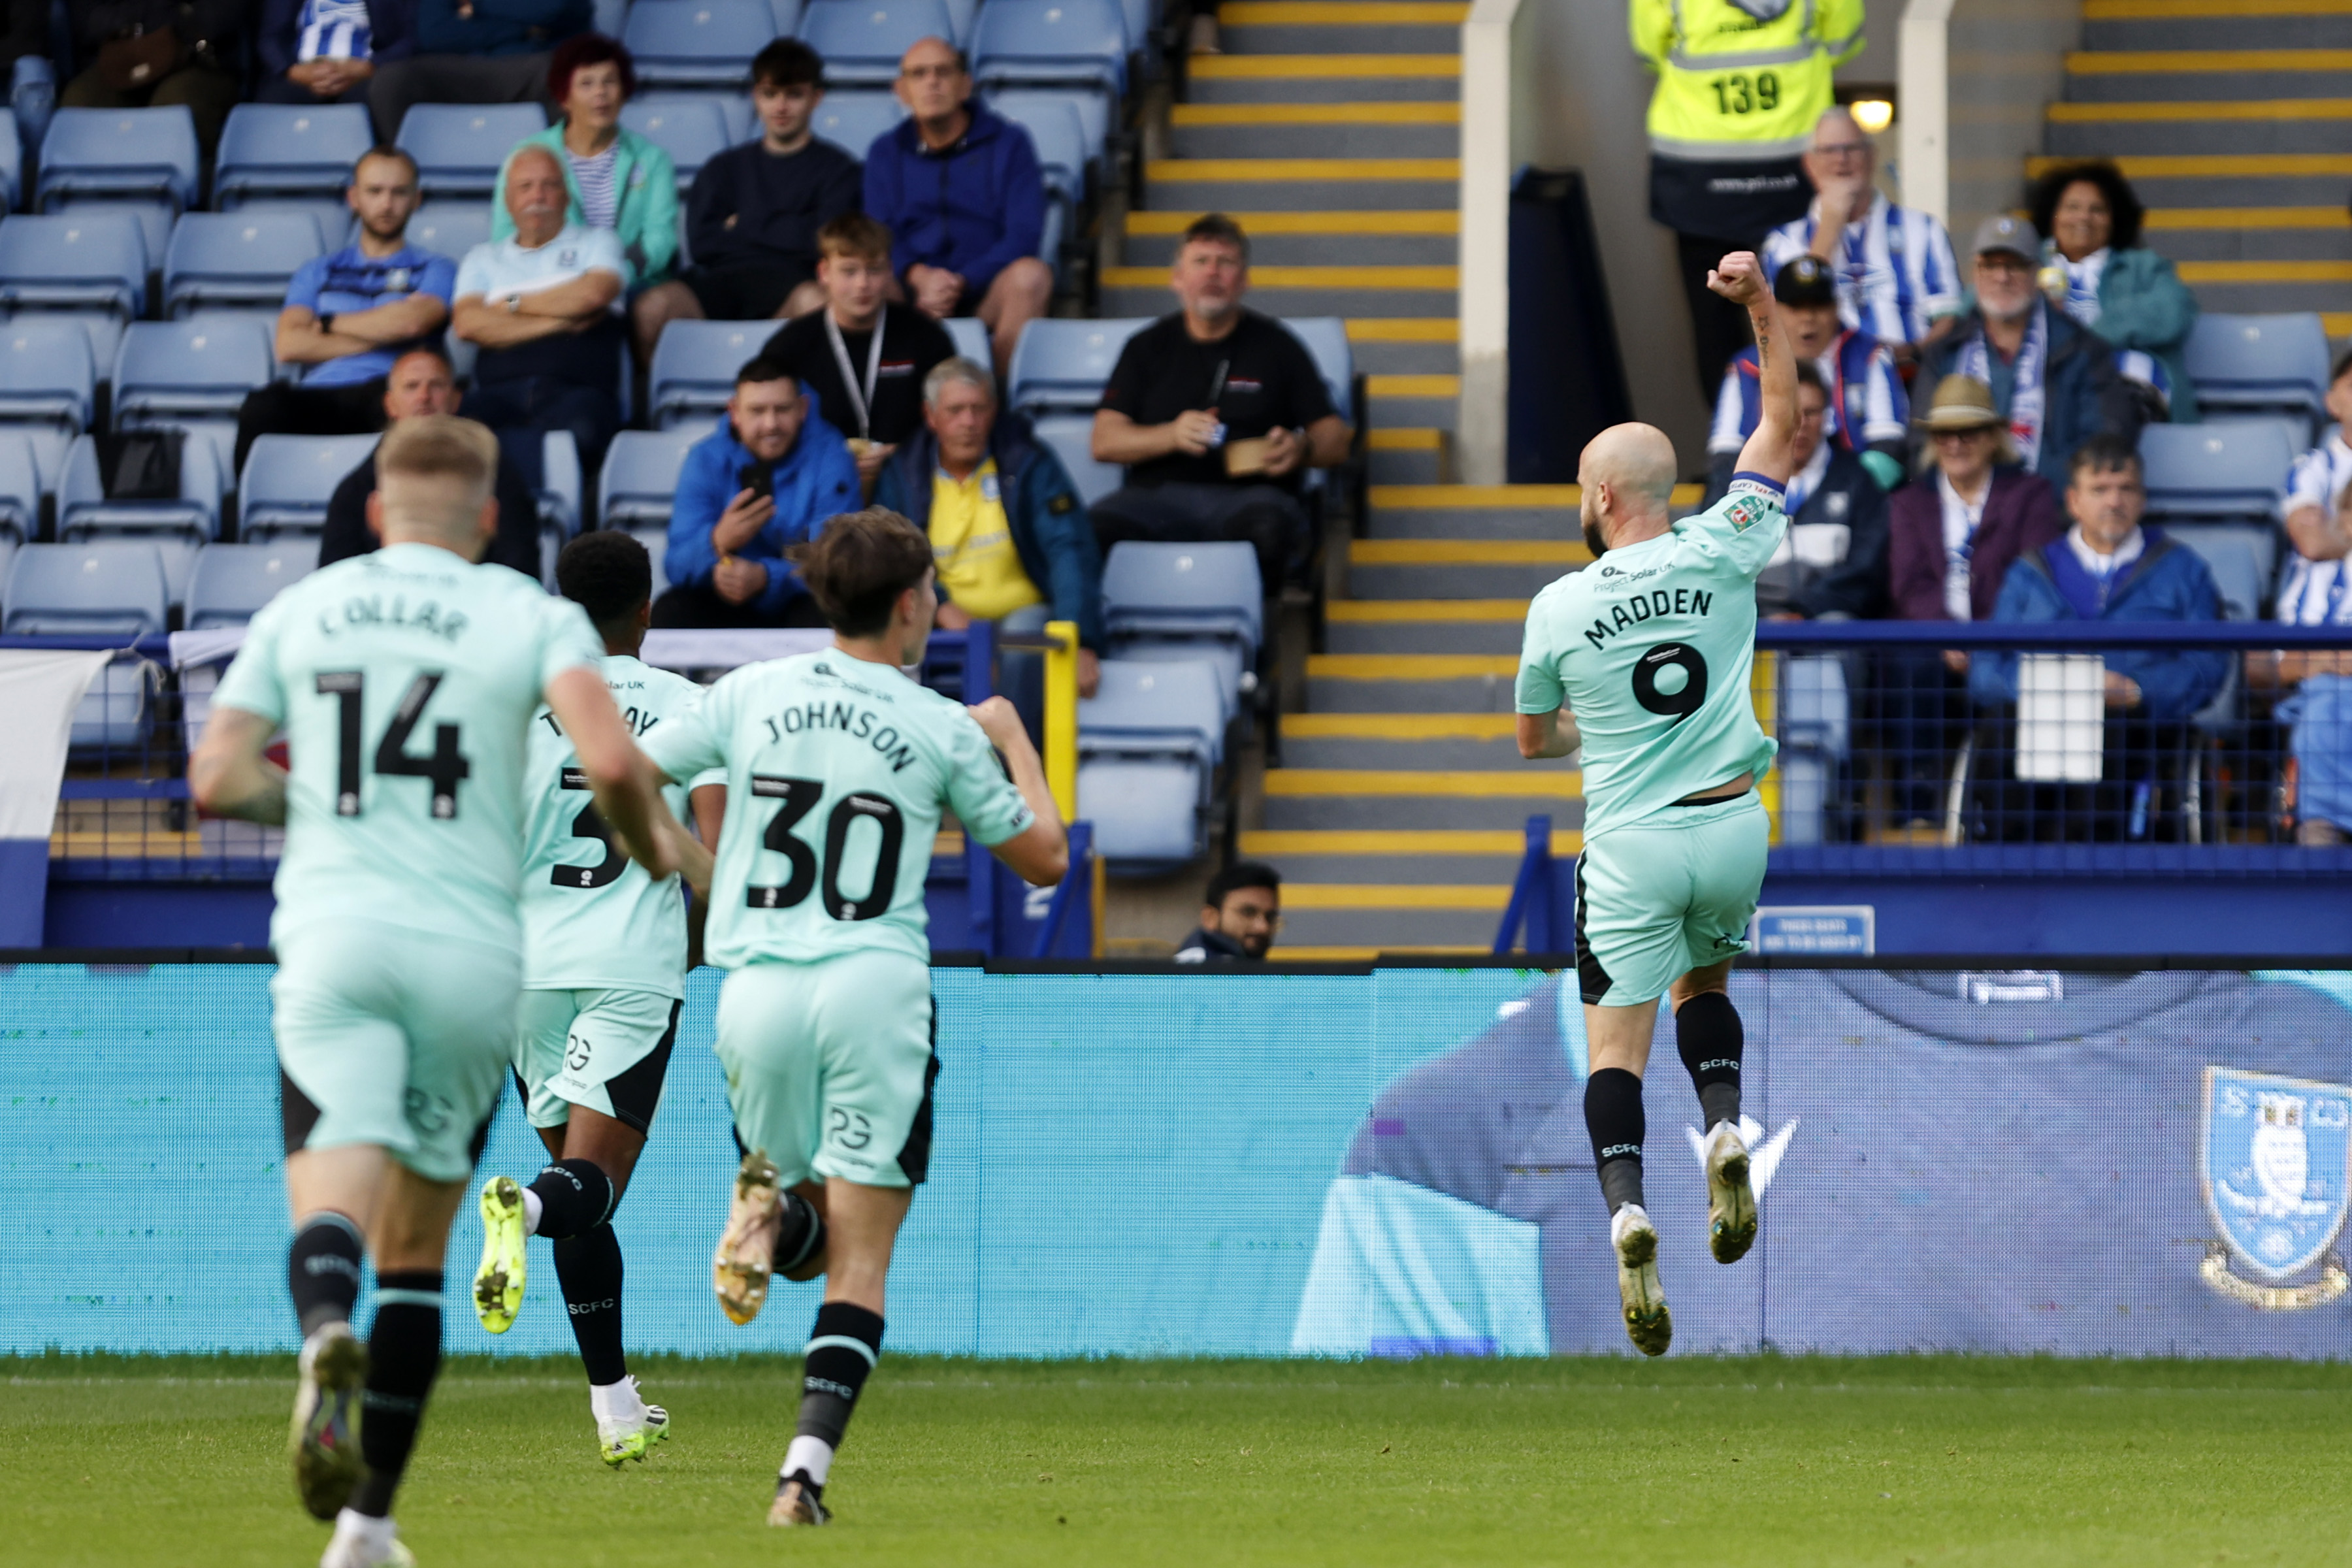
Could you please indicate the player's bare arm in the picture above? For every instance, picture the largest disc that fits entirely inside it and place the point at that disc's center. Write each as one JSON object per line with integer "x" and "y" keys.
{"x": 1739, "y": 278}
{"x": 626, "y": 784}
{"x": 229, "y": 776}
{"x": 1040, "y": 853}
{"x": 1552, "y": 734}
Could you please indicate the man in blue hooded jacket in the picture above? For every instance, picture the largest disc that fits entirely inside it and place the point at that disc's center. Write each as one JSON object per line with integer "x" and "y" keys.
{"x": 764, "y": 480}
{"x": 2108, "y": 568}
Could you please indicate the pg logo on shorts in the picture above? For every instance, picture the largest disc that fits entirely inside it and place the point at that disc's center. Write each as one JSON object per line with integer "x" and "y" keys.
{"x": 2275, "y": 1160}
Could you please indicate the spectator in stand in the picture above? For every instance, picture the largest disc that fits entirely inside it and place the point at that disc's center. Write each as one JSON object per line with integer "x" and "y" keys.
{"x": 150, "y": 54}
{"x": 476, "y": 51}
{"x": 1007, "y": 526}
{"x": 1833, "y": 560}
{"x": 2096, "y": 271}
{"x": 1893, "y": 266}
{"x": 2315, "y": 593}
{"x": 349, "y": 315}
{"x": 765, "y": 480}
{"x": 2053, "y": 382}
{"x": 327, "y": 51}
{"x": 544, "y": 305}
{"x": 615, "y": 179}
{"x": 2108, "y": 568}
{"x": 1240, "y": 912}
{"x": 1951, "y": 536}
{"x": 1218, "y": 412}
{"x": 1869, "y": 413}
{"x": 755, "y": 213}
{"x": 864, "y": 360}
{"x": 959, "y": 188}
{"x": 422, "y": 383}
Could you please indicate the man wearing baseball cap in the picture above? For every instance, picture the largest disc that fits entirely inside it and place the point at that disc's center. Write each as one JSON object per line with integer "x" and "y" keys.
{"x": 2051, "y": 381}
{"x": 1868, "y": 412}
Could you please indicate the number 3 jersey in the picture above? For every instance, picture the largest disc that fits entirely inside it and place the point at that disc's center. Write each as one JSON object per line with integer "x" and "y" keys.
{"x": 405, "y": 682}
{"x": 592, "y": 919}
{"x": 1650, "y": 648}
{"x": 837, "y": 771}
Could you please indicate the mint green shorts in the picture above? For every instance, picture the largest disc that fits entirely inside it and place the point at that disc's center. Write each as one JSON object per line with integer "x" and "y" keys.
{"x": 829, "y": 1066}
{"x": 394, "y": 1037}
{"x": 605, "y": 1050}
{"x": 1655, "y": 901}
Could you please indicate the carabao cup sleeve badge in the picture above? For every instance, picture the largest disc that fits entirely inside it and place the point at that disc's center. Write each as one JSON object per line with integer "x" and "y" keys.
{"x": 2275, "y": 1160}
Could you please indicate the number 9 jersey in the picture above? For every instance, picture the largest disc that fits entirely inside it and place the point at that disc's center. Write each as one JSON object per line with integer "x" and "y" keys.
{"x": 1650, "y": 648}
{"x": 405, "y": 682}
{"x": 592, "y": 919}
{"x": 837, "y": 772}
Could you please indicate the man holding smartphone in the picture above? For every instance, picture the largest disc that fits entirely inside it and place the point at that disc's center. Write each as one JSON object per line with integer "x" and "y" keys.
{"x": 766, "y": 478}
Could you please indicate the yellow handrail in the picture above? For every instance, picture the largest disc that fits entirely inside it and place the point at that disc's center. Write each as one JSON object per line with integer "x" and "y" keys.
{"x": 1061, "y": 716}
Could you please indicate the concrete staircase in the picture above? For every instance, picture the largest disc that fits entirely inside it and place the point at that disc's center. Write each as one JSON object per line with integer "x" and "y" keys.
{"x": 2234, "y": 120}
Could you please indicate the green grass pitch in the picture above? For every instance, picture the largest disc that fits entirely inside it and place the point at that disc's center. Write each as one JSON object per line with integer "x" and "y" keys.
{"x": 1912, "y": 1460}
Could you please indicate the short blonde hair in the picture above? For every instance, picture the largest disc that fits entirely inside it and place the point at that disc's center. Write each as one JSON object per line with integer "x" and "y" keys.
{"x": 435, "y": 471}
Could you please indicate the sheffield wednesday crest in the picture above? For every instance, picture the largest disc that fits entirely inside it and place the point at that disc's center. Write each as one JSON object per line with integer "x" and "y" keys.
{"x": 2276, "y": 1158}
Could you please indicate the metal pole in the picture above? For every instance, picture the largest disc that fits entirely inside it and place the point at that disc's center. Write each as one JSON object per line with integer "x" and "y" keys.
{"x": 1061, "y": 716}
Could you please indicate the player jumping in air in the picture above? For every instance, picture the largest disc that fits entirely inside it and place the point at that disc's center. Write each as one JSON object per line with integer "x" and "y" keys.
{"x": 837, "y": 768}
{"x": 604, "y": 977}
{"x": 405, "y": 683}
{"x": 1642, "y": 660}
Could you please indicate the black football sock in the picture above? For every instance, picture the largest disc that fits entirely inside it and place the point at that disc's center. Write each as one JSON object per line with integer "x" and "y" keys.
{"x": 589, "y": 1268}
{"x": 800, "y": 1233}
{"x": 843, "y": 1349}
{"x": 322, "y": 1269}
{"x": 574, "y": 1196}
{"x": 1707, "y": 1027}
{"x": 1613, "y": 1114}
{"x": 404, "y": 1356}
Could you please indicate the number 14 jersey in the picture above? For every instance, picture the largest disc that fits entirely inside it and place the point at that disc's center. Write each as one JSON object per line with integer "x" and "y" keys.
{"x": 1650, "y": 648}
{"x": 837, "y": 772}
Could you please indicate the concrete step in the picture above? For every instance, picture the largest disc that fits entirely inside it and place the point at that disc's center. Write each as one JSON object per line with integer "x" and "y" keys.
{"x": 2251, "y": 234}
{"x": 1476, "y": 511}
{"x": 2239, "y": 126}
{"x": 1381, "y": 354}
{"x": 1363, "y": 922}
{"x": 1332, "y": 798}
{"x": 2224, "y": 180}
{"x": 1414, "y": 401}
{"x": 1303, "y": 184}
{"x": 1323, "y": 78}
{"x": 1410, "y": 682}
{"x": 2187, "y": 74}
{"x": 1315, "y": 130}
{"x": 1310, "y": 238}
{"x": 1410, "y": 457}
{"x": 1424, "y": 626}
{"x": 1394, "y": 742}
{"x": 1433, "y": 855}
{"x": 2216, "y": 24}
{"x": 1341, "y": 27}
{"x": 1458, "y": 569}
{"x": 1302, "y": 290}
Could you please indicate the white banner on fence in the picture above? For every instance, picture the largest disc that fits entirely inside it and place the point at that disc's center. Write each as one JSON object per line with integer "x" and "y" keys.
{"x": 39, "y": 690}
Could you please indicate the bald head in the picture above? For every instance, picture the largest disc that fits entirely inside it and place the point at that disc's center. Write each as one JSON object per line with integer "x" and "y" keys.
{"x": 1628, "y": 475}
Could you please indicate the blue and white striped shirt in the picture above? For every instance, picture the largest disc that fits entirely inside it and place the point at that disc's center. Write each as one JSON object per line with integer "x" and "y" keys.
{"x": 1861, "y": 376}
{"x": 1895, "y": 271}
{"x": 332, "y": 30}
{"x": 2314, "y": 592}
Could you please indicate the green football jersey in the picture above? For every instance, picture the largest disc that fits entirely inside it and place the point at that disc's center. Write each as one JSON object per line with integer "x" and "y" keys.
{"x": 837, "y": 772}
{"x": 1650, "y": 648}
{"x": 405, "y": 683}
{"x": 592, "y": 919}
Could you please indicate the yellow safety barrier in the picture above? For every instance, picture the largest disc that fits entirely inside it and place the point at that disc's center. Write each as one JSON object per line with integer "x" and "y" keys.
{"x": 1061, "y": 716}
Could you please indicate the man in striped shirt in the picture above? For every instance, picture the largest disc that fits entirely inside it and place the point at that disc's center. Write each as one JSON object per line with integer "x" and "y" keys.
{"x": 1868, "y": 413}
{"x": 2317, "y": 592}
{"x": 1895, "y": 274}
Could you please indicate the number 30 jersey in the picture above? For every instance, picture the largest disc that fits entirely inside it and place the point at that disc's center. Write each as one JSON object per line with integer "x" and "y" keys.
{"x": 592, "y": 919}
{"x": 405, "y": 682}
{"x": 837, "y": 772}
{"x": 1650, "y": 648}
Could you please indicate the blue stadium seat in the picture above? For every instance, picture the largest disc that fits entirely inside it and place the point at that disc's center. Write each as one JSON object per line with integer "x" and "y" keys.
{"x": 46, "y": 376}
{"x": 969, "y": 335}
{"x": 142, "y": 159}
{"x": 2214, "y": 472}
{"x": 861, "y": 40}
{"x": 289, "y": 150}
{"x": 89, "y": 259}
{"x": 167, "y": 371}
{"x": 656, "y": 543}
{"x": 786, "y": 16}
{"x": 459, "y": 147}
{"x": 236, "y": 258}
{"x": 1051, "y": 43}
{"x": 109, "y": 587}
{"x": 449, "y": 229}
{"x": 176, "y": 525}
{"x": 640, "y": 477}
{"x": 2253, "y": 364}
{"x": 691, "y": 127}
{"x": 20, "y": 488}
{"x": 742, "y": 119}
{"x": 1179, "y": 602}
{"x": 853, "y": 121}
{"x": 1326, "y": 338}
{"x": 289, "y": 480}
{"x": 698, "y": 43}
{"x": 1061, "y": 366}
{"x": 233, "y": 581}
{"x": 1058, "y": 133}
{"x": 1149, "y": 743}
{"x": 695, "y": 364}
{"x": 1070, "y": 437}
{"x": 12, "y": 161}
{"x": 609, "y": 16}
{"x": 959, "y": 16}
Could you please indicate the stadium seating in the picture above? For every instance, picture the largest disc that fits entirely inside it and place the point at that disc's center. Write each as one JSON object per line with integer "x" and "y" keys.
{"x": 142, "y": 158}
{"x": 696, "y": 43}
{"x": 609, "y": 16}
{"x": 1051, "y": 43}
{"x": 450, "y": 228}
{"x": 90, "y": 260}
{"x": 657, "y": 543}
{"x": 694, "y": 367}
{"x": 971, "y": 338}
{"x": 175, "y": 525}
{"x": 861, "y": 40}
{"x": 1062, "y": 365}
{"x": 459, "y": 147}
{"x": 2225, "y": 475}
{"x": 1326, "y": 338}
{"x": 12, "y": 162}
{"x": 1057, "y": 132}
{"x": 640, "y": 476}
{"x": 853, "y": 121}
{"x": 289, "y": 480}
{"x": 195, "y": 374}
{"x": 289, "y": 150}
{"x": 236, "y": 258}
{"x": 1070, "y": 437}
{"x": 111, "y": 587}
{"x": 560, "y": 487}
{"x": 46, "y": 376}
{"x": 1149, "y": 743}
{"x": 691, "y": 127}
{"x": 2258, "y": 363}
{"x": 1165, "y": 602}
{"x": 20, "y": 490}
{"x": 233, "y": 581}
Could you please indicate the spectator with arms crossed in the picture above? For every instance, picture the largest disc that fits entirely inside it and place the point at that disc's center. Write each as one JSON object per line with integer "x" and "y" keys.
{"x": 350, "y": 314}
{"x": 1217, "y": 412}
{"x": 756, "y": 214}
{"x": 763, "y": 481}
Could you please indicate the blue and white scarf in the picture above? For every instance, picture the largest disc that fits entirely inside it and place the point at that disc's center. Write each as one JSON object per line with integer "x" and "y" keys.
{"x": 332, "y": 30}
{"x": 2028, "y": 398}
